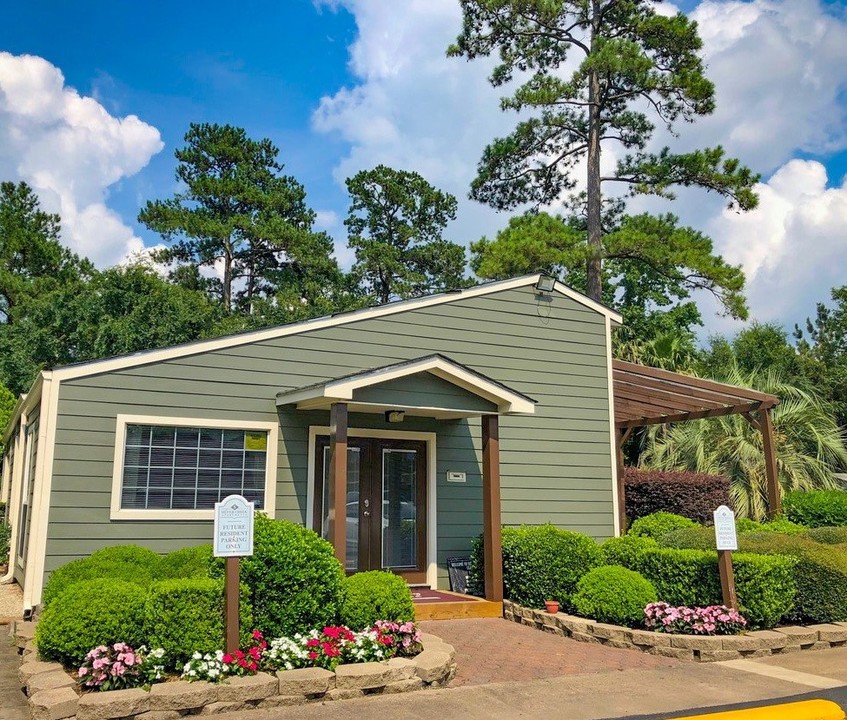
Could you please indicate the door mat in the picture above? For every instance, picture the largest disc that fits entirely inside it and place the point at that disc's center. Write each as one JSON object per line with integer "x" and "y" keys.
{"x": 426, "y": 595}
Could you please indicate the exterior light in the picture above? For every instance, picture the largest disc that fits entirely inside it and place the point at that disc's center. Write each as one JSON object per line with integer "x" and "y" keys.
{"x": 545, "y": 284}
{"x": 394, "y": 416}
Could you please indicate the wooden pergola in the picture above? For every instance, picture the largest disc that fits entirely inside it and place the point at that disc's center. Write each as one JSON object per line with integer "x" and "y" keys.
{"x": 649, "y": 396}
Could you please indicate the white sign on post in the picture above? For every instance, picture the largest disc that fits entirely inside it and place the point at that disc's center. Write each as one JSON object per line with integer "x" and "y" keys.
{"x": 233, "y": 527}
{"x": 725, "y": 537}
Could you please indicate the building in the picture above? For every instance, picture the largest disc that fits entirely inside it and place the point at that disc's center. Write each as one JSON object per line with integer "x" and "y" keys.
{"x": 457, "y": 411}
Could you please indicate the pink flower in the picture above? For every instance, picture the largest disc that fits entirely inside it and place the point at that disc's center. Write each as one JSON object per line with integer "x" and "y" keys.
{"x": 83, "y": 671}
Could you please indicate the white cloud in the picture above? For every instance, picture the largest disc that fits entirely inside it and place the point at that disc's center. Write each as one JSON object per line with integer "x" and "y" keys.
{"x": 793, "y": 247}
{"x": 70, "y": 150}
{"x": 778, "y": 67}
{"x": 327, "y": 220}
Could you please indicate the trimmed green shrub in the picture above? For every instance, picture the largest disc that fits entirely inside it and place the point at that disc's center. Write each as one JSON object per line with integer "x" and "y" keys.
{"x": 614, "y": 595}
{"x": 780, "y": 525}
{"x": 5, "y": 537}
{"x": 375, "y": 595}
{"x": 294, "y": 580}
{"x": 658, "y": 524}
{"x": 91, "y": 613}
{"x": 829, "y": 535}
{"x": 816, "y": 508}
{"x": 624, "y": 549}
{"x": 140, "y": 557}
{"x": 539, "y": 563}
{"x": 820, "y": 574}
{"x": 185, "y": 615}
{"x": 92, "y": 568}
{"x": 186, "y": 562}
{"x": 820, "y": 571}
{"x": 765, "y": 585}
{"x": 690, "y": 494}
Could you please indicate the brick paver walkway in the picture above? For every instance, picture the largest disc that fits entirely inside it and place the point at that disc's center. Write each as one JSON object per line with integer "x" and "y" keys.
{"x": 490, "y": 650}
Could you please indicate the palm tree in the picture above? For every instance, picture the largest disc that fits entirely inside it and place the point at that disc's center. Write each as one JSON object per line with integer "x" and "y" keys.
{"x": 810, "y": 447}
{"x": 665, "y": 350}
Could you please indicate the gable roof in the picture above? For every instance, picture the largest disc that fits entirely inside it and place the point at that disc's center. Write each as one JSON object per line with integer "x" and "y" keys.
{"x": 341, "y": 389}
{"x": 95, "y": 367}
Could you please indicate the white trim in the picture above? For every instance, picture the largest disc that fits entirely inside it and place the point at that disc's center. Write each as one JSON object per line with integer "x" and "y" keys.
{"x": 27, "y": 491}
{"x": 507, "y": 401}
{"x": 431, "y": 484}
{"x": 612, "y": 431}
{"x": 117, "y": 513}
{"x": 13, "y": 507}
{"x": 144, "y": 358}
{"x": 37, "y": 550}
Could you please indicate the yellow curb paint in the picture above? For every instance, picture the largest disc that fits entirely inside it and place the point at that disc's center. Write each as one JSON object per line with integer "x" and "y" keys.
{"x": 805, "y": 710}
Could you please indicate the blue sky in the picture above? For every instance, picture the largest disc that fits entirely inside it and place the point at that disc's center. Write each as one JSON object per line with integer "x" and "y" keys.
{"x": 262, "y": 66}
{"x": 346, "y": 84}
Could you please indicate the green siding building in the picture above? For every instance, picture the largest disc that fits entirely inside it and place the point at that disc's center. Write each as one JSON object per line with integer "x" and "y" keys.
{"x": 137, "y": 449}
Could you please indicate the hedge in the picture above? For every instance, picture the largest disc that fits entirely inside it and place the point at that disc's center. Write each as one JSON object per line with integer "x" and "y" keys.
{"x": 765, "y": 585}
{"x": 820, "y": 571}
{"x": 693, "y": 495}
{"x": 186, "y": 562}
{"x": 294, "y": 580}
{"x": 829, "y": 535}
{"x": 624, "y": 549}
{"x": 376, "y": 595}
{"x": 185, "y": 615}
{"x": 93, "y": 568}
{"x": 614, "y": 595}
{"x": 658, "y": 524}
{"x": 539, "y": 563}
{"x": 92, "y": 612}
{"x": 816, "y": 508}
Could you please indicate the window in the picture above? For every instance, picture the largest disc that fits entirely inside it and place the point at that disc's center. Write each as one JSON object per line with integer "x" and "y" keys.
{"x": 191, "y": 467}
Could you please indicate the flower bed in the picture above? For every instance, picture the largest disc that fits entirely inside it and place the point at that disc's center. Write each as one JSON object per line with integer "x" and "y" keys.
{"x": 701, "y": 648}
{"x": 54, "y": 693}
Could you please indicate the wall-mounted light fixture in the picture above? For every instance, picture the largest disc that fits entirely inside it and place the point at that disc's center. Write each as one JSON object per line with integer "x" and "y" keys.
{"x": 394, "y": 416}
{"x": 545, "y": 284}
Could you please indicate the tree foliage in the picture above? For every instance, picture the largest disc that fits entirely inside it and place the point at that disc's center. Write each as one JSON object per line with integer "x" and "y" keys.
{"x": 238, "y": 211}
{"x": 395, "y": 224}
{"x": 808, "y": 442}
{"x": 116, "y": 311}
{"x": 635, "y": 68}
{"x": 32, "y": 261}
{"x": 652, "y": 267}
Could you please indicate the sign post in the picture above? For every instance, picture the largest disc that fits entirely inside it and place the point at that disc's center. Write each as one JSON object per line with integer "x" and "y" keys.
{"x": 726, "y": 541}
{"x": 233, "y": 540}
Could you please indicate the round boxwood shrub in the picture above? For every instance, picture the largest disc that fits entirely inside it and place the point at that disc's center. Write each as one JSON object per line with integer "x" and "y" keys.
{"x": 614, "y": 595}
{"x": 93, "y": 568}
{"x": 540, "y": 563}
{"x": 185, "y": 615}
{"x": 658, "y": 524}
{"x": 816, "y": 508}
{"x": 294, "y": 580}
{"x": 186, "y": 562}
{"x": 91, "y": 613}
{"x": 376, "y": 595}
{"x": 625, "y": 550}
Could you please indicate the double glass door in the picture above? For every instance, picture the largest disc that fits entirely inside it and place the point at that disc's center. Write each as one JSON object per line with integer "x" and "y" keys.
{"x": 385, "y": 504}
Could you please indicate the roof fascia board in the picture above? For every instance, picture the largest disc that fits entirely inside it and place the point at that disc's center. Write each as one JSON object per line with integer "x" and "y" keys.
{"x": 25, "y": 403}
{"x": 119, "y": 363}
{"x": 342, "y": 390}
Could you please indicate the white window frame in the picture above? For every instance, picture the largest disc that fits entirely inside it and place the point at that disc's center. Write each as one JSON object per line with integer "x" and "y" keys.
{"x": 431, "y": 484}
{"x": 118, "y": 513}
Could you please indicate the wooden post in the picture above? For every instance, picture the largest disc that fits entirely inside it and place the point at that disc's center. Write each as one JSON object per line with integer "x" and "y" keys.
{"x": 730, "y": 599}
{"x": 338, "y": 480}
{"x": 620, "y": 438}
{"x": 771, "y": 473}
{"x": 492, "y": 524}
{"x": 231, "y": 600}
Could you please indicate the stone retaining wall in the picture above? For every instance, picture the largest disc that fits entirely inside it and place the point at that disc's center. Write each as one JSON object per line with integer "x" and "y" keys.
{"x": 53, "y": 694}
{"x": 702, "y": 648}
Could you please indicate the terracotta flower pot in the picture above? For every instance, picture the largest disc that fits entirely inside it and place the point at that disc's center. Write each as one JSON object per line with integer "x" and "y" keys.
{"x": 552, "y": 606}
